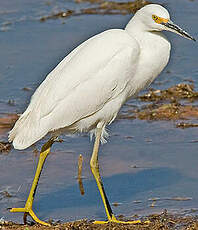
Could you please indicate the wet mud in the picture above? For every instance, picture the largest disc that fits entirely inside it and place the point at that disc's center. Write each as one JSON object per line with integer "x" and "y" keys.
{"x": 7, "y": 121}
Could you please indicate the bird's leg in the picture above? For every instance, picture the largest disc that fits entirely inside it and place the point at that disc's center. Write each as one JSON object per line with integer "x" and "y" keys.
{"x": 28, "y": 206}
{"x": 95, "y": 170}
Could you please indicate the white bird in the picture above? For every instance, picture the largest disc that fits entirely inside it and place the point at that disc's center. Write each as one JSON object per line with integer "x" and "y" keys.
{"x": 86, "y": 90}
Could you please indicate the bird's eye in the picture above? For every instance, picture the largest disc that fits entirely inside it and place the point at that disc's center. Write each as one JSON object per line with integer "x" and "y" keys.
{"x": 154, "y": 17}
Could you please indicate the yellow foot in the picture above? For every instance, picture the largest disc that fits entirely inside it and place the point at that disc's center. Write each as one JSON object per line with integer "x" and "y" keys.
{"x": 117, "y": 221}
{"x": 114, "y": 220}
{"x": 31, "y": 213}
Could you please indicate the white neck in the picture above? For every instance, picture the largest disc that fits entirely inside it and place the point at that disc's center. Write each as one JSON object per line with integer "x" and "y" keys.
{"x": 137, "y": 29}
{"x": 153, "y": 46}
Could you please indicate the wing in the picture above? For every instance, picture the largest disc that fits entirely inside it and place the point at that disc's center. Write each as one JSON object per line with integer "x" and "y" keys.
{"x": 93, "y": 74}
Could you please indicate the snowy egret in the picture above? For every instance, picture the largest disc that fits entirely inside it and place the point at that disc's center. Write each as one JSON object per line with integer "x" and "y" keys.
{"x": 85, "y": 92}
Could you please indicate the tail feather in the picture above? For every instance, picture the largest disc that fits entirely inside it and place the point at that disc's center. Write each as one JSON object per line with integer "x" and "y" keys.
{"x": 26, "y": 131}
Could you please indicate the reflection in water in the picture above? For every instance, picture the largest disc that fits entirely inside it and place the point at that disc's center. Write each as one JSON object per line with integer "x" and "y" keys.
{"x": 121, "y": 187}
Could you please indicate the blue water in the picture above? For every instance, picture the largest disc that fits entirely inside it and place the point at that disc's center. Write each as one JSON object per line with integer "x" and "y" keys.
{"x": 165, "y": 156}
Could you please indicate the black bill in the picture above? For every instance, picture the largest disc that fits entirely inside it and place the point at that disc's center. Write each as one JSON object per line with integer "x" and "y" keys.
{"x": 174, "y": 28}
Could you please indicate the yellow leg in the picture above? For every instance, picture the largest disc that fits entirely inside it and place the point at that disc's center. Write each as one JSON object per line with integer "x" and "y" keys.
{"x": 28, "y": 206}
{"x": 95, "y": 170}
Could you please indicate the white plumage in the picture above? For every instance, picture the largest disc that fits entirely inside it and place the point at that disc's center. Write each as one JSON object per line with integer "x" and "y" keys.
{"x": 88, "y": 87}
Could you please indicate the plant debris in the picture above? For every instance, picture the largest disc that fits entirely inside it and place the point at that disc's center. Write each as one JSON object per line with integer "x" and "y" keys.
{"x": 162, "y": 221}
{"x": 5, "y": 194}
{"x": 178, "y": 198}
{"x": 110, "y": 7}
{"x": 104, "y": 7}
{"x": 90, "y": 1}
{"x": 173, "y": 94}
{"x": 169, "y": 111}
{"x": 27, "y": 89}
{"x": 174, "y": 103}
{"x": 5, "y": 147}
{"x": 62, "y": 14}
{"x": 80, "y": 164}
{"x": 184, "y": 125}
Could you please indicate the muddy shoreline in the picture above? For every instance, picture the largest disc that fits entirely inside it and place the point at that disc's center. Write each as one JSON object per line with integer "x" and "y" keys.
{"x": 163, "y": 221}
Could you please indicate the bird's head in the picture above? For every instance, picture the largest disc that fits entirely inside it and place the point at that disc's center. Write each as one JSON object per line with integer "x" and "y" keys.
{"x": 157, "y": 18}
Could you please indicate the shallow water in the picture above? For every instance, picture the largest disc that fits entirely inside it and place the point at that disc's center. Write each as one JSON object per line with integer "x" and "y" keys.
{"x": 142, "y": 160}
